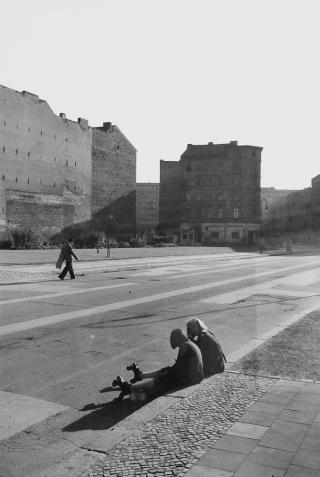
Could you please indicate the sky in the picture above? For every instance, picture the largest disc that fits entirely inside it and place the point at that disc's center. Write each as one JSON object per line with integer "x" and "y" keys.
{"x": 173, "y": 72}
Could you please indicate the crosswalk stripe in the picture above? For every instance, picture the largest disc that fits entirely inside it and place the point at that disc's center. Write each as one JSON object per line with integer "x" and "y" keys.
{"x": 302, "y": 278}
{"x": 64, "y": 293}
{"x": 73, "y": 315}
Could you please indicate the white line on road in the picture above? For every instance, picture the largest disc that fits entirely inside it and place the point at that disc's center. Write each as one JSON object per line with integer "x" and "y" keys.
{"x": 65, "y": 292}
{"x": 299, "y": 279}
{"x": 73, "y": 315}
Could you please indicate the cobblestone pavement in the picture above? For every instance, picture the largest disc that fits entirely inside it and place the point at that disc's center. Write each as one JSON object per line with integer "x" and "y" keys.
{"x": 171, "y": 443}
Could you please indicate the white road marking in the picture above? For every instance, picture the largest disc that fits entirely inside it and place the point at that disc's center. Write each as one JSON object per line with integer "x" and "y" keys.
{"x": 73, "y": 315}
{"x": 67, "y": 289}
{"x": 65, "y": 292}
{"x": 303, "y": 278}
{"x": 18, "y": 412}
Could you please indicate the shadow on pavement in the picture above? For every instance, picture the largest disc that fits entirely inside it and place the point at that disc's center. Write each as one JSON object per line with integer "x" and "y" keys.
{"x": 108, "y": 414}
{"x": 104, "y": 415}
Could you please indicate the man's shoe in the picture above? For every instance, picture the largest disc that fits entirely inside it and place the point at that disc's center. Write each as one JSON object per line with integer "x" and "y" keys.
{"x": 61, "y": 278}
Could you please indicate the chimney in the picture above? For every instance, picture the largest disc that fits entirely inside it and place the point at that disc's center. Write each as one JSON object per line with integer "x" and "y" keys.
{"x": 83, "y": 123}
{"x": 107, "y": 126}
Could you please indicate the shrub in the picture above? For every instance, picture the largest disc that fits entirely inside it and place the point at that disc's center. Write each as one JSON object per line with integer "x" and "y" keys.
{"x": 25, "y": 237}
{"x": 5, "y": 244}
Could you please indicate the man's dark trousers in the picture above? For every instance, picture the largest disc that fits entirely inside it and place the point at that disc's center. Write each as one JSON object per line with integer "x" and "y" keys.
{"x": 68, "y": 268}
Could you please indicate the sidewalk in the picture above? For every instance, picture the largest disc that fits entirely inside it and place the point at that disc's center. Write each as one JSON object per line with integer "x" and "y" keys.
{"x": 10, "y": 274}
{"x": 32, "y": 270}
{"x": 231, "y": 425}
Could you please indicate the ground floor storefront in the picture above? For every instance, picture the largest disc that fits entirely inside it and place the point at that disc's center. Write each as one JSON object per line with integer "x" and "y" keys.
{"x": 207, "y": 233}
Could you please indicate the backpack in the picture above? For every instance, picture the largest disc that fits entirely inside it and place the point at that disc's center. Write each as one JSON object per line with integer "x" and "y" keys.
{"x": 221, "y": 356}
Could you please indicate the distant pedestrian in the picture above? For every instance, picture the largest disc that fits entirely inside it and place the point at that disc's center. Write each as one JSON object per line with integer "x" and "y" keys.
{"x": 213, "y": 357}
{"x": 67, "y": 254}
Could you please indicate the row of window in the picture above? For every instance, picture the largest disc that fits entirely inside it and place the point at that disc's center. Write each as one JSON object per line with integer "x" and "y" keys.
{"x": 29, "y": 130}
{"x": 227, "y": 180}
{"x": 197, "y": 167}
{"x": 29, "y": 155}
{"x": 209, "y": 196}
{"x": 27, "y": 181}
{"x": 210, "y": 213}
{"x": 217, "y": 235}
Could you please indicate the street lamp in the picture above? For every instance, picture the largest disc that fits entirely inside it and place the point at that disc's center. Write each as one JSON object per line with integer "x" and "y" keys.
{"x": 110, "y": 219}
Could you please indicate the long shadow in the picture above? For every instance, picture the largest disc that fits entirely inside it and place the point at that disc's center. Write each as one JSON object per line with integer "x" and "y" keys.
{"x": 106, "y": 415}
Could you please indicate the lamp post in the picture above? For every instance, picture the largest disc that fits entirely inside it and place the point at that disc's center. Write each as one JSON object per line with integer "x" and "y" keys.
{"x": 110, "y": 219}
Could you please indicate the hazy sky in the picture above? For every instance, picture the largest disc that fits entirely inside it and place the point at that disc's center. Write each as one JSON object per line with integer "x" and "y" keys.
{"x": 173, "y": 72}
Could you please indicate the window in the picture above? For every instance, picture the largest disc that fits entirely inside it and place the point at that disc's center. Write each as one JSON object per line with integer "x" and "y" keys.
{"x": 16, "y": 152}
{"x": 41, "y": 133}
{"x": 235, "y": 235}
{"x": 184, "y": 236}
{"x": 28, "y": 129}
{"x": 75, "y": 164}
{"x": 236, "y": 180}
{"x": 3, "y": 177}
{"x": 220, "y": 213}
{"x": 54, "y": 185}
{"x": 215, "y": 235}
{"x": 4, "y": 149}
{"x": 66, "y": 162}
{"x": 235, "y": 213}
{"x": 55, "y": 159}
{"x": 16, "y": 179}
{"x": 220, "y": 196}
{"x": 236, "y": 196}
{"x": 4, "y": 123}
{"x": 28, "y": 154}
{"x": 28, "y": 180}
{"x": 198, "y": 195}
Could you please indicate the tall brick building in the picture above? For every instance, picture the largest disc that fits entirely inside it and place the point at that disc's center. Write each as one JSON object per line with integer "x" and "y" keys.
{"x": 212, "y": 195}
{"x": 54, "y": 171}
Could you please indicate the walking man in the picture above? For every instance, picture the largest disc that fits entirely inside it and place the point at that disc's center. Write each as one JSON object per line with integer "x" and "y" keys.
{"x": 67, "y": 254}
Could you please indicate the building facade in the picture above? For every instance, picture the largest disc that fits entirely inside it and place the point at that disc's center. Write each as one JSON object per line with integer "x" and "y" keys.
{"x": 147, "y": 212}
{"x": 54, "y": 171}
{"x": 270, "y": 196}
{"x": 212, "y": 195}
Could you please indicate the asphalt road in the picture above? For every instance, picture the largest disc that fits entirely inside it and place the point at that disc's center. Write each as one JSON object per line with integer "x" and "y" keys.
{"x": 62, "y": 342}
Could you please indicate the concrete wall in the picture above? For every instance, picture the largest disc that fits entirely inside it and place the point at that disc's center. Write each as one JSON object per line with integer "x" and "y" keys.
{"x": 56, "y": 171}
{"x": 113, "y": 166}
{"x": 42, "y": 153}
